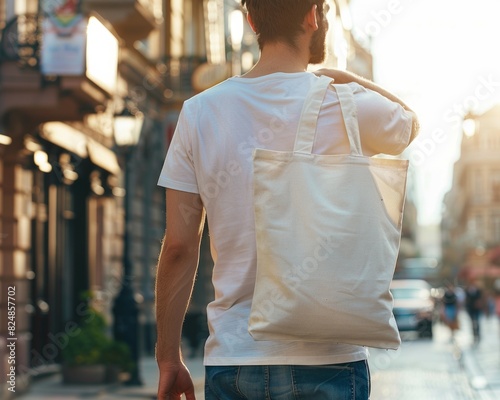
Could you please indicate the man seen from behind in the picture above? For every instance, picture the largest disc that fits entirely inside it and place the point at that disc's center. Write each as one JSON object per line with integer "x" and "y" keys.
{"x": 208, "y": 171}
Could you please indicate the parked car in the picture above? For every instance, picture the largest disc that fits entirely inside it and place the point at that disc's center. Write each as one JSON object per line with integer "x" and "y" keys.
{"x": 413, "y": 306}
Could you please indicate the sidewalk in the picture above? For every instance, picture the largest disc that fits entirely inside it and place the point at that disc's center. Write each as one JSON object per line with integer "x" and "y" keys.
{"x": 481, "y": 361}
{"x": 52, "y": 388}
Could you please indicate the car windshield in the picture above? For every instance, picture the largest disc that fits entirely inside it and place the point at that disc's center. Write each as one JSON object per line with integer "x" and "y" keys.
{"x": 410, "y": 293}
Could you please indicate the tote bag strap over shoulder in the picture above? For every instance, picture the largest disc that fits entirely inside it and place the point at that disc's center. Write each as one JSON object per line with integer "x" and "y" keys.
{"x": 306, "y": 131}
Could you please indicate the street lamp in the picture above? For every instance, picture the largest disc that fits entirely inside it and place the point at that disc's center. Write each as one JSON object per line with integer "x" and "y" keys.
{"x": 469, "y": 127}
{"x": 127, "y": 127}
{"x": 127, "y": 131}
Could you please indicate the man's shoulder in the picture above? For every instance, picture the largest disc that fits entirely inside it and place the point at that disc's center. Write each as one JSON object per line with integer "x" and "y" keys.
{"x": 212, "y": 92}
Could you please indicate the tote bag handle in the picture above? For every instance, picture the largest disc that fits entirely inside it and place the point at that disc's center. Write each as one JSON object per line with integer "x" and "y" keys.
{"x": 306, "y": 130}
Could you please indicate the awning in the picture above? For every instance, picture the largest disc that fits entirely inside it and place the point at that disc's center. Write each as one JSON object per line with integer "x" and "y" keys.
{"x": 103, "y": 157}
{"x": 77, "y": 142}
{"x": 65, "y": 136}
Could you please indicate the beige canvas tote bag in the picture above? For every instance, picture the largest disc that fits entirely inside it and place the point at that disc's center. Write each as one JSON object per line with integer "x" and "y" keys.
{"x": 328, "y": 231}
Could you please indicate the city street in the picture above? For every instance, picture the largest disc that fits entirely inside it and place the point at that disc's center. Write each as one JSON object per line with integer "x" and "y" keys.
{"x": 423, "y": 369}
{"x": 105, "y": 104}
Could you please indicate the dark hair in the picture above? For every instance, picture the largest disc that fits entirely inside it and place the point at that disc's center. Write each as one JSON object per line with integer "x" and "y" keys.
{"x": 279, "y": 20}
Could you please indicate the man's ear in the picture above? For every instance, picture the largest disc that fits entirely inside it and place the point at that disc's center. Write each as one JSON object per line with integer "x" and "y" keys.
{"x": 311, "y": 18}
{"x": 250, "y": 22}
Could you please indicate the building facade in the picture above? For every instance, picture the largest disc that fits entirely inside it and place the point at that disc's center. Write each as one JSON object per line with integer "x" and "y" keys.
{"x": 471, "y": 218}
{"x": 67, "y": 69}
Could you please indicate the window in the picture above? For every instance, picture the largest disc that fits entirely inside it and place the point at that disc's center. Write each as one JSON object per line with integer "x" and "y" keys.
{"x": 476, "y": 227}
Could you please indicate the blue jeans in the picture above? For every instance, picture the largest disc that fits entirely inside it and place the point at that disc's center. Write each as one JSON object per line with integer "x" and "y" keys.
{"x": 349, "y": 381}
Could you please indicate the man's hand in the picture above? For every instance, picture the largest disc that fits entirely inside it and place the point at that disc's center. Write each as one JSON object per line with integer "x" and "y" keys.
{"x": 342, "y": 77}
{"x": 175, "y": 380}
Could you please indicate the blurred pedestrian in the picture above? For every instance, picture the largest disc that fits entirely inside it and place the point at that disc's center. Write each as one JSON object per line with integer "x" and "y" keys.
{"x": 209, "y": 169}
{"x": 474, "y": 304}
{"x": 450, "y": 308}
{"x": 460, "y": 293}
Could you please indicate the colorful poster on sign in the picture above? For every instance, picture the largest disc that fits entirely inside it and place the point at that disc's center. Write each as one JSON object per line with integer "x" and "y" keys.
{"x": 64, "y": 38}
{"x": 65, "y": 15}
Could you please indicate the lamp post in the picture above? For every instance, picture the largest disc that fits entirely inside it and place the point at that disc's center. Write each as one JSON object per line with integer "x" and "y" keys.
{"x": 127, "y": 130}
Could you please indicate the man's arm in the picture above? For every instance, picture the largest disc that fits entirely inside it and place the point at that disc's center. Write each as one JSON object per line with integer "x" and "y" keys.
{"x": 177, "y": 265}
{"x": 346, "y": 77}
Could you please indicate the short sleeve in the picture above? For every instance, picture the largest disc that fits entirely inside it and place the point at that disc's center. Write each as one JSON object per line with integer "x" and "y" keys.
{"x": 178, "y": 170}
{"x": 385, "y": 126}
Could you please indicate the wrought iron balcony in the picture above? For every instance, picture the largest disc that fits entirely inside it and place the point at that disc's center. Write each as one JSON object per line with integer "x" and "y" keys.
{"x": 20, "y": 40}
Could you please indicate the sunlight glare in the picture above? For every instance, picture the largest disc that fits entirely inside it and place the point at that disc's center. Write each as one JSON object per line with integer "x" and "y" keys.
{"x": 441, "y": 57}
{"x": 469, "y": 127}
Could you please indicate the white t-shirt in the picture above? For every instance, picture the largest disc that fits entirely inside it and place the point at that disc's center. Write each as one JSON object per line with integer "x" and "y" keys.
{"x": 211, "y": 154}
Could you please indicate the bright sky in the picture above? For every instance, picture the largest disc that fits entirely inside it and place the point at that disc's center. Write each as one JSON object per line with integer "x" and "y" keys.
{"x": 442, "y": 57}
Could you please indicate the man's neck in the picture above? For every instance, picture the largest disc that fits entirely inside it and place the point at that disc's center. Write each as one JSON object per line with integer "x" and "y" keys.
{"x": 278, "y": 57}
